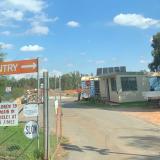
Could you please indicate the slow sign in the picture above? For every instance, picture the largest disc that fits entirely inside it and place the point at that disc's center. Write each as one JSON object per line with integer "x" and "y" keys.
{"x": 8, "y": 114}
{"x": 31, "y": 129}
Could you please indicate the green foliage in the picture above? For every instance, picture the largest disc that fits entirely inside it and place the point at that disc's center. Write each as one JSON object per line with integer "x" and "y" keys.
{"x": 14, "y": 144}
{"x": 27, "y": 83}
{"x": 69, "y": 81}
{"x": 18, "y": 87}
{"x": 153, "y": 66}
{"x": 2, "y": 55}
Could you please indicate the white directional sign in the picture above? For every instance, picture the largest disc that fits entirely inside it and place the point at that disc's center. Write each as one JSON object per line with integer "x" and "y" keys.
{"x": 19, "y": 67}
{"x": 31, "y": 129}
{"x": 30, "y": 110}
{"x": 8, "y": 114}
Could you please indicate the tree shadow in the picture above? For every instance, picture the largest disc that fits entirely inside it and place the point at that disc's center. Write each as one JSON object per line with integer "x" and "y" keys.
{"x": 84, "y": 148}
{"x": 144, "y": 158}
{"x": 72, "y": 147}
{"x": 144, "y": 142}
{"x": 105, "y": 152}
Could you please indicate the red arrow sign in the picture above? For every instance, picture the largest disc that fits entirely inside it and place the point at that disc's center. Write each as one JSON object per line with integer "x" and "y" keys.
{"x": 19, "y": 67}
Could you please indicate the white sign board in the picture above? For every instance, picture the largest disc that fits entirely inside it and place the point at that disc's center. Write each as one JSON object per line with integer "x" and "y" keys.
{"x": 8, "y": 114}
{"x": 31, "y": 129}
{"x": 30, "y": 110}
{"x": 8, "y": 89}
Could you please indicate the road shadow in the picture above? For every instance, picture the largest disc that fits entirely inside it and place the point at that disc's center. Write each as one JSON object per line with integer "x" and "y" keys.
{"x": 144, "y": 158}
{"x": 107, "y": 152}
{"x": 144, "y": 142}
{"x": 71, "y": 147}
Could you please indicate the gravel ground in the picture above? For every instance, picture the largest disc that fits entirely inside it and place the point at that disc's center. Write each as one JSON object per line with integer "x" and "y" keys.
{"x": 98, "y": 134}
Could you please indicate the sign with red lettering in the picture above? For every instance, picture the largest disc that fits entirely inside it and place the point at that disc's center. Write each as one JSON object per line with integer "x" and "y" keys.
{"x": 19, "y": 67}
{"x": 8, "y": 114}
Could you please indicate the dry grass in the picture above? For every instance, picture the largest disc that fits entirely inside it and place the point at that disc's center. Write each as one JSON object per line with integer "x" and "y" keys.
{"x": 153, "y": 115}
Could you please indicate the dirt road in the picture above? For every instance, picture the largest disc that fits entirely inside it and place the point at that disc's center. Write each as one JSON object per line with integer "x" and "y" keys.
{"x": 98, "y": 134}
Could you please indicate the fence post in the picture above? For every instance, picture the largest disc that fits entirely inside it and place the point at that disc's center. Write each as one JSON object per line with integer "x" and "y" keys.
{"x": 45, "y": 116}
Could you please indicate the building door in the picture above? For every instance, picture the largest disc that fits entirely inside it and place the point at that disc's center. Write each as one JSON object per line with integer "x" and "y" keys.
{"x": 107, "y": 90}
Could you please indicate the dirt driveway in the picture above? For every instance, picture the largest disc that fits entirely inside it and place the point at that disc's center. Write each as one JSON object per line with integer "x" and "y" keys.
{"x": 98, "y": 134}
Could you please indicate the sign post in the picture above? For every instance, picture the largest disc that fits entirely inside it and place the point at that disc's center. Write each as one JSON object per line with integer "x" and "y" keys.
{"x": 45, "y": 116}
{"x": 38, "y": 87}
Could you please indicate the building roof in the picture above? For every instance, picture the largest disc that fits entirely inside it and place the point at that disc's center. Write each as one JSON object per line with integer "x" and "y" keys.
{"x": 121, "y": 73}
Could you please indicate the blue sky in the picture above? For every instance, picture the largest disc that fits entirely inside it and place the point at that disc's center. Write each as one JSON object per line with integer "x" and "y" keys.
{"x": 80, "y": 34}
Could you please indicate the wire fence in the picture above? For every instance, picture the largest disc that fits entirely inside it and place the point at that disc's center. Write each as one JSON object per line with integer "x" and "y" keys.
{"x": 15, "y": 146}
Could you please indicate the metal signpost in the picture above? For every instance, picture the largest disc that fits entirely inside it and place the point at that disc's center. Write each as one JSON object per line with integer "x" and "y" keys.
{"x": 45, "y": 116}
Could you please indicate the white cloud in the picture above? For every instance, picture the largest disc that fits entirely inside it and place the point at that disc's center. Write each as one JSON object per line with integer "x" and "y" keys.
{"x": 70, "y": 65}
{"x": 5, "y": 45}
{"x": 114, "y": 59}
{"x": 73, "y": 24}
{"x": 6, "y": 33}
{"x": 31, "y": 48}
{"x": 151, "y": 40}
{"x": 83, "y": 53}
{"x": 43, "y": 70}
{"x": 143, "y": 60}
{"x": 34, "y": 6}
{"x": 26, "y": 76}
{"x": 90, "y": 61}
{"x": 136, "y": 20}
{"x": 26, "y": 11}
{"x": 38, "y": 28}
{"x": 100, "y": 62}
{"x": 11, "y": 14}
{"x": 55, "y": 73}
{"x": 43, "y": 18}
{"x": 45, "y": 59}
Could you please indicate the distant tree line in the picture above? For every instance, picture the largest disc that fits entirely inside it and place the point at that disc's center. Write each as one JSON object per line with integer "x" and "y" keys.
{"x": 68, "y": 81}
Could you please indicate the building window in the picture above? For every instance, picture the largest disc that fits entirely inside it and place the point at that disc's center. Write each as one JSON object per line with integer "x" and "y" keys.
{"x": 113, "y": 84}
{"x": 129, "y": 83}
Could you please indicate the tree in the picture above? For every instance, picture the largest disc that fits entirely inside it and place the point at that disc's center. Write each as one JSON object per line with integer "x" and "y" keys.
{"x": 2, "y": 55}
{"x": 155, "y": 65}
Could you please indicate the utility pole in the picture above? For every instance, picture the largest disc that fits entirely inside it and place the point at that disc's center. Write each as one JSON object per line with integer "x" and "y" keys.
{"x": 55, "y": 85}
{"x": 45, "y": 116}
{"x": 60, "y": 88}
{"x": 38, "y": 96}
